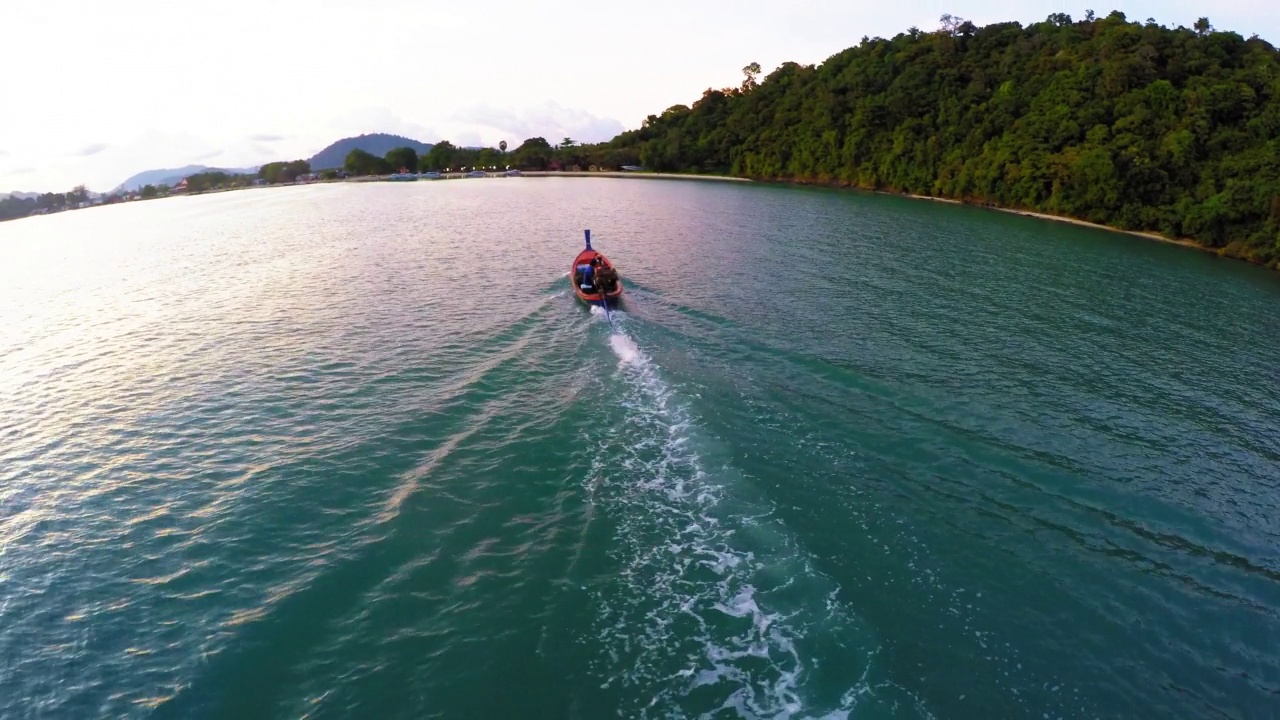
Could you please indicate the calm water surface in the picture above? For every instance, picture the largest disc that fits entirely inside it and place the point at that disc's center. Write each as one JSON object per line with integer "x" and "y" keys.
{"x": 353, "y": 451}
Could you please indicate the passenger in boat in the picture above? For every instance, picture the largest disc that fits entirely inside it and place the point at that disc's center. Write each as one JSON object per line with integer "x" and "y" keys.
{"x": 597, "y": 266}
{"x": 586, "y": 273}
{"x": 606, "y": 278}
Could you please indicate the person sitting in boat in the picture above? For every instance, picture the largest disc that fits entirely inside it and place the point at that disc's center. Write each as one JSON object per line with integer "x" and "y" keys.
{"x": 597, "y": 265}
{"x": 586, "y": 273}
{"x": 606, "y": 278}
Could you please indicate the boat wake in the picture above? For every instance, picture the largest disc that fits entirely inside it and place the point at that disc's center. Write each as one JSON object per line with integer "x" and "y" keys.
{"x": 625, "y": 348}
{"x": 714, "y": 608}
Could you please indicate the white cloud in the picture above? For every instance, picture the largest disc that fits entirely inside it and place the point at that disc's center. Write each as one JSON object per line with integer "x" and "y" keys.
{"x": 548, "y": 120}
{"x": 91, "y": 149}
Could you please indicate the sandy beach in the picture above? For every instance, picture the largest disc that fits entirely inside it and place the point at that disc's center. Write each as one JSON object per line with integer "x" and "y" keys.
{"x": 1183, "y": 242}
{"x": 1073, "y": 221}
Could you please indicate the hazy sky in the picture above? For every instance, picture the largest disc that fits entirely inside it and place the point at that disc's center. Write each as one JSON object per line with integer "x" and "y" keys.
{"x": 95, "y": 91}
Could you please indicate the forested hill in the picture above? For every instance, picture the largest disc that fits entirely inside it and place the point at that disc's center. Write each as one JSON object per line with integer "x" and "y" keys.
{"x": 1133, "y": 125}
{"x": 377, "y": 144}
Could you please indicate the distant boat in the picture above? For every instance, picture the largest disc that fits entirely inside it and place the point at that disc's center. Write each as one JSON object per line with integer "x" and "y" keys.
{"x": 403, "y": 177}
{"x": 632, "y": 168}
{"x": 513, "y": 173}
{"x": 477, "y": 173}
{"x": 604, "y": 286}
{"x": 430, "y": 175}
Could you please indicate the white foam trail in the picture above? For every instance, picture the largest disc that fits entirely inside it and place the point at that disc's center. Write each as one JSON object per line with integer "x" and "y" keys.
{"x": 715, "y": 609}
{"x": 625, "y": 348}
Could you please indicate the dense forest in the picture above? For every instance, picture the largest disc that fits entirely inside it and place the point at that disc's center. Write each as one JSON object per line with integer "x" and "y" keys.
{"x": 1133, "y": 125}
{"x": 533, "y": 154}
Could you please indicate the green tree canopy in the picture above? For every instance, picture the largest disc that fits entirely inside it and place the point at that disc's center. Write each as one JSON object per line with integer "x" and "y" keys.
{"x": 283, "y": 172}
{"x": 533, "y": 154}
{"x": 359, "y": 162}
{"x": 1134, "y": 125}
{"x": 15, "y": 207}
{"x": 488, "y": 157}
{"x": 457, "y": 158}
{"x": 402, "y": 158}
{"x": 441, "y": 156}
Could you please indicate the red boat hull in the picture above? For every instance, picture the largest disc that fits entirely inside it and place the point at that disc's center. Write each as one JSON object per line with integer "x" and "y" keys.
{"x": 586, "y": 256}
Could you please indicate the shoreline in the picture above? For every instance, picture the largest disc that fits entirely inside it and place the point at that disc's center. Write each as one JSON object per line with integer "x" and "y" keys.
{"x": 1181, "y": 242}
{"x": 1145, "y": 234}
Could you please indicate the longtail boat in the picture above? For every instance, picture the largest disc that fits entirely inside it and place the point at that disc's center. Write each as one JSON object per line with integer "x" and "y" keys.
{"x": 593, "y": 277}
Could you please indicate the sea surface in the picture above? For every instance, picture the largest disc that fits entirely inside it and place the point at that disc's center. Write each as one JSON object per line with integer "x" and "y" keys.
{"x": 355, "y": 451}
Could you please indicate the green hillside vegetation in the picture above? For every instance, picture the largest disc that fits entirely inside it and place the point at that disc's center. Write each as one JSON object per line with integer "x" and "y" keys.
{"x": 376, "y": 144}
{"x": 359, "y": 162}
{"x": 533, "y": 154}
{"x": 1133, "y": 125}
{"x": 216, "y": 180}
{"x": 282, "y": 172}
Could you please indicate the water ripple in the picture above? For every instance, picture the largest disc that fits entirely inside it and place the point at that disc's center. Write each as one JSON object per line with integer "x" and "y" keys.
{"x": 291, "y": 453}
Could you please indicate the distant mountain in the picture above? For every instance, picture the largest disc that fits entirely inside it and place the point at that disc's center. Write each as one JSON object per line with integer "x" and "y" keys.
{"x": 20, "y": 195}
{"x": 378, "y": 144}
{"x": 172, "y": 176}
{"x": 330, "y": 157}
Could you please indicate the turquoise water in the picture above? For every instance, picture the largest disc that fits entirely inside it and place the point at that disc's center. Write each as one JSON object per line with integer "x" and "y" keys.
{"x": 355, "y": 451}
